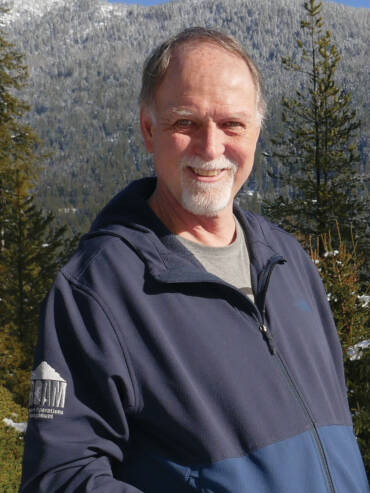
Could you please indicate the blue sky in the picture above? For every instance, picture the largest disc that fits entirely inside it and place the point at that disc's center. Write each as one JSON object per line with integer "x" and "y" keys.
{"x": 352, "y": 3}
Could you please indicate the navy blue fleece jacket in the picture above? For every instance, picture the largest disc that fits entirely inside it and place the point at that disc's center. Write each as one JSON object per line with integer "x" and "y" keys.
{"x": 154, "y": 376}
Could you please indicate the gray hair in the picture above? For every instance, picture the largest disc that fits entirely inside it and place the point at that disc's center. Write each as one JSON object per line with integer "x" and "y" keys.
{"x": 156, "y": 65}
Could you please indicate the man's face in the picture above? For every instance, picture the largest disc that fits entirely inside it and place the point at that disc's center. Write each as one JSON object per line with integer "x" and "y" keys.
{"x": 203, "y": 128}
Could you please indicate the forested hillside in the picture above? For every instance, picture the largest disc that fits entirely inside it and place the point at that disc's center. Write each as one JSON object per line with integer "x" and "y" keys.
{"x": 85, "y": 59}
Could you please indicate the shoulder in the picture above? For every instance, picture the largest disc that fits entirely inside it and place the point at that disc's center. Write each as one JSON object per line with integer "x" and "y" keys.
{"x": 265, "y": 234}
{"x": 270, "y": 233}
{"x": 98, "y": 256}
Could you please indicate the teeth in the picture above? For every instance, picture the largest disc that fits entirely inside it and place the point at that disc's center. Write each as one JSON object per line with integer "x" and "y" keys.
{"x": 206, "y": 172}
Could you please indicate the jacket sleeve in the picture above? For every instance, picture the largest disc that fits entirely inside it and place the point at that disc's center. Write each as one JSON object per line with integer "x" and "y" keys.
{"x": 80, "y": 399}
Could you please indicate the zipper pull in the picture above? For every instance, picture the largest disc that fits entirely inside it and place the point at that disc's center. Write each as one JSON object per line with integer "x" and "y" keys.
{"x": 268, "y": 338}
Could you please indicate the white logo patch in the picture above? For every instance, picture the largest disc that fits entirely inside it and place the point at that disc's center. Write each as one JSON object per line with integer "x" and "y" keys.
{"x": 47, "y": 393}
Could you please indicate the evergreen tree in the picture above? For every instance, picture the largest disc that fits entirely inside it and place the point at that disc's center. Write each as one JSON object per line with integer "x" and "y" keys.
{"x": 31, "y": 249}
{"x": 339, "y": 267}
{"x": 31, "y": 254}
{"x": 17, "y": 141}
{"x": 315, "y": 155}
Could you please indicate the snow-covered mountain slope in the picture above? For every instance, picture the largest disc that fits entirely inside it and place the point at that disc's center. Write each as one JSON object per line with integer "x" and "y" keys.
{"x": 21, "y": 9}
{"x": 85, "y": 58}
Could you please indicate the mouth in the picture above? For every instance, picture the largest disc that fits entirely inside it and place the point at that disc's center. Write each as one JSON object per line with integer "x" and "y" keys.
{"x": 206, "y": 172}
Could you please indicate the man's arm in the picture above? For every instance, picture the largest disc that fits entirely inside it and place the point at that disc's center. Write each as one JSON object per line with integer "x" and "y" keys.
{"x": 81, "y": 395}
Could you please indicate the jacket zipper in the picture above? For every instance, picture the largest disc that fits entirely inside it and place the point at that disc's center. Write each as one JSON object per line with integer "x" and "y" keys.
{"x": 267, "y": 335}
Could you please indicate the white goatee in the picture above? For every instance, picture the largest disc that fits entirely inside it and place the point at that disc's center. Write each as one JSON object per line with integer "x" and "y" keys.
{"x": 206, "y": 198}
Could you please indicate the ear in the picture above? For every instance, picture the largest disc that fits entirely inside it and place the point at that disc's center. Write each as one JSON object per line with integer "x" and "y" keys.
{"x": 147, "y": 127}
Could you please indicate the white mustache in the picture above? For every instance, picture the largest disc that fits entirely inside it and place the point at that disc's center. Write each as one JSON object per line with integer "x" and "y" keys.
{"x": 197, "y": 162}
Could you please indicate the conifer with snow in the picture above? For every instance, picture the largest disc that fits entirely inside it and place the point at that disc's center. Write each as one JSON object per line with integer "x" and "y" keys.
{"x": 315, "y": 154}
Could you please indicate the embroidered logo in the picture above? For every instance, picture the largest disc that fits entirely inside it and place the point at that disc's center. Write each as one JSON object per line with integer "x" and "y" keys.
{"x": 47, "y": 393}
{"x": 303, "y": 305}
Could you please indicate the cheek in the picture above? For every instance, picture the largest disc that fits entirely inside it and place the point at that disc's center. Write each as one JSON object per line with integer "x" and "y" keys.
{"x": 248, "y": 147}
{"x": 171, "y": 146}
{"x": 241, "y": 154}
{"x": 180, "y": 143}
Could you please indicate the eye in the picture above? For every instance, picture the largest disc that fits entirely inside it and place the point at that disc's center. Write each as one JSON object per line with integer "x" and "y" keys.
{"x": 184, "y": 123}
{"x": 233, "y": 124}
{"x": 234, "y": 127}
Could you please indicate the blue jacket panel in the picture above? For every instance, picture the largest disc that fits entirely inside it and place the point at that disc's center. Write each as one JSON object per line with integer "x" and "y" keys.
{"x": 152, "y": 375}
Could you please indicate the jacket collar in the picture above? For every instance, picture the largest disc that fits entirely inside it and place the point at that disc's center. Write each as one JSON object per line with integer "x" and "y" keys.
{"x": 129, "y": 217}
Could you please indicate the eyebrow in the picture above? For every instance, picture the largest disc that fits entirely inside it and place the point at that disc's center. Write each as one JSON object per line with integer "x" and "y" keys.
{"x": 182, "y": 111}
{"x": 187, "y": 112}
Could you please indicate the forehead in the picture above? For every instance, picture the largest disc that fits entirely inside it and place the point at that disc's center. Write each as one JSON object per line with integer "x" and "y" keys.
{"x": 203, "y": 73}
{"x": 197, "y": 57}
{"x": 190, "y": 49}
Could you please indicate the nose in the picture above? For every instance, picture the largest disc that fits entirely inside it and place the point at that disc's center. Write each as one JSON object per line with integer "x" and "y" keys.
{"x": 210, "y": 142}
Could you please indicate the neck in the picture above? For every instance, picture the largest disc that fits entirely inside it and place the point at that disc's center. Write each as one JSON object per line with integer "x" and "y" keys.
{"x": 215, "y": 231}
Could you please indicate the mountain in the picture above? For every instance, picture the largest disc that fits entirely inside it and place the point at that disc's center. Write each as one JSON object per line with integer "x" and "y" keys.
{"x": 22, "y": 9}
{"x": 85, "y": 59}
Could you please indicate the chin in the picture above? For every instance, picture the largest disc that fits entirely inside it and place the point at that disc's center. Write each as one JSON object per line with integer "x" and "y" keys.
{"x": 206, "y": 203}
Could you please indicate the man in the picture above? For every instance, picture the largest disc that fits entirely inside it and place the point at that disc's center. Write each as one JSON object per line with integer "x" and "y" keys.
{"x": 188, "y": 346}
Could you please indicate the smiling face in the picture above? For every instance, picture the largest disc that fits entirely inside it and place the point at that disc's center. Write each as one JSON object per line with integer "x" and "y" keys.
{"x": 203, "y": 129}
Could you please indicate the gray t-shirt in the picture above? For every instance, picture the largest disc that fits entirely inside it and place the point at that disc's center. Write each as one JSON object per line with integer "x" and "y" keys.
{"x": 229, "y": 263}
